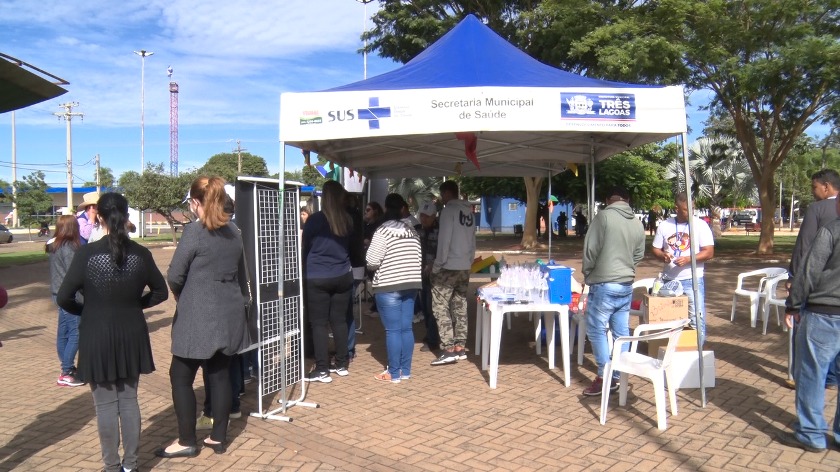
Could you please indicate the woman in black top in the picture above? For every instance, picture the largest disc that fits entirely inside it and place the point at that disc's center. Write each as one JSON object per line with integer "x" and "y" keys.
{"x": 114, "y": 346}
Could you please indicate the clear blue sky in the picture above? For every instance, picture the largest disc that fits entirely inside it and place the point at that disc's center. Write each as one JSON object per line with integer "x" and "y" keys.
{"x": 232, "y": 60}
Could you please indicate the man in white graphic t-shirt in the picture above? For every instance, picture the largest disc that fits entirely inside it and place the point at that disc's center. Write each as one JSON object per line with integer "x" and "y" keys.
{"x": 672, "y": 244}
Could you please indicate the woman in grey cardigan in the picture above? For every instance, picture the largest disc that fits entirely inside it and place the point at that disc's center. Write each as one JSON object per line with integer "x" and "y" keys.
{"x": 210, "y": 324}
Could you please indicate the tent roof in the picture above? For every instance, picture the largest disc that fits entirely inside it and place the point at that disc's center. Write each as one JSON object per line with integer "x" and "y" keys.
{"x": 529, "y": 118}
{"x": 473, "y": 55}
{"x": 20, "y": 88}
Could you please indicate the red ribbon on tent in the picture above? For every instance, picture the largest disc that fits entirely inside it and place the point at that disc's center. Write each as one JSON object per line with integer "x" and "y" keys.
{"x": 470, "y": 141}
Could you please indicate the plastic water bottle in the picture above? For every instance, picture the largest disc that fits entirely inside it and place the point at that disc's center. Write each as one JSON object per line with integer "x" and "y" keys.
{"x": 502, "y": 263}
{"x": 657, "y": 285}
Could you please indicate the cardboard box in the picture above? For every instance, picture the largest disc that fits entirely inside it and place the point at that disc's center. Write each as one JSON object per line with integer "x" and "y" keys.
{"x": 686, "y": 342}
{"x": 686, "y": 368}
{"x": 659, "y": 309}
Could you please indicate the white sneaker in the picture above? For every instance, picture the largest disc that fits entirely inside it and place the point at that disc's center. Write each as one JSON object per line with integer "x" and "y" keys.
{"x": 204, "y": 422}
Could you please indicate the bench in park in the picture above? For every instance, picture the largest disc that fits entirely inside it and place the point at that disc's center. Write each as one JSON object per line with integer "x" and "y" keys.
{"x": 750, "y": 228}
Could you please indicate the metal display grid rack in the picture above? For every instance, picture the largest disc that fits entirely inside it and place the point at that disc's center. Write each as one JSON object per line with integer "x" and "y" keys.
{"x": 270, "y": 224}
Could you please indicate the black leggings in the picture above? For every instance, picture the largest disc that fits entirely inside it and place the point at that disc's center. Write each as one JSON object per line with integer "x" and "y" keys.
{"x": 326, "y": 303}
{"x": 181, "y": 376}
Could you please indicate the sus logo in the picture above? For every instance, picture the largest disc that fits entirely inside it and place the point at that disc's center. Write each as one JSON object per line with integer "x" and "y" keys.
{"x": 466, "y": 220}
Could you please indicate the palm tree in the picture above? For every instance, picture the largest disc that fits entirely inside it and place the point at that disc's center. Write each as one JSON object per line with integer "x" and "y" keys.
{"x": 416, "y": 190}
{"x": 718, "y": 171}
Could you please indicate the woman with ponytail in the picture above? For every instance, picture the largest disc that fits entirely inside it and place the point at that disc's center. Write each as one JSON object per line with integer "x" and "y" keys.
{"x": 210, "y": 322}
{"x": 114, "y": 346}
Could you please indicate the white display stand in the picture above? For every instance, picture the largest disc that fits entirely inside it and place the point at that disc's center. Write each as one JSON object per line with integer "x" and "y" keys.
{"x": 270, "y": 224}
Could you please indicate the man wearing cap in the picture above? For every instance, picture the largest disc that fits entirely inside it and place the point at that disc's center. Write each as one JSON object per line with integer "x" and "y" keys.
{"x": 614, "y": 245}
{"x": 87, "y": 215}
{"x": 673, "y": 246}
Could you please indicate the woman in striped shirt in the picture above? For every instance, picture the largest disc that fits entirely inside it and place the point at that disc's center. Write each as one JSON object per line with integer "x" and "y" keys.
{"x": 395, "y": 258}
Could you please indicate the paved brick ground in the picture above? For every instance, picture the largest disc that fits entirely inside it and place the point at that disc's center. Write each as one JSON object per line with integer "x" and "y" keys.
{"x": 444, "y": 418}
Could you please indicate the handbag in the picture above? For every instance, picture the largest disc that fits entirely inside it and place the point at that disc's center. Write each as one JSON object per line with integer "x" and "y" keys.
{"x": 248, "y": 338}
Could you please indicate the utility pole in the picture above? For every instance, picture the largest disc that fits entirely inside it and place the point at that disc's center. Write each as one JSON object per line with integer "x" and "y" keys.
{"x": 239, "y": 150}
{"x": 68, "y": 115}
{"x": 98, "y": 182}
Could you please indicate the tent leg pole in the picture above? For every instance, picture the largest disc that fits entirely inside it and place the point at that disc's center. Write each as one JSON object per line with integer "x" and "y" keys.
{"x": 694, "y": 283}
{"x": 548, "y": 225}
{"x": 591, "y": 178}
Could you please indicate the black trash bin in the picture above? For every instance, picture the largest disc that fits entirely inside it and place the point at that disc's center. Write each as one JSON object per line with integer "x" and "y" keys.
{"x": 518, "y": 230}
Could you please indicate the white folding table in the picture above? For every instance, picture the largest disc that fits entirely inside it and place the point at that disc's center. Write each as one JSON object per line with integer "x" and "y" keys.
{"x": 488, "y": 335}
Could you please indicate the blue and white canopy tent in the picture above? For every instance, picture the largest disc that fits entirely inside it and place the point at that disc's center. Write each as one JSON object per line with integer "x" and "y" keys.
{"x": 473, "y": 104}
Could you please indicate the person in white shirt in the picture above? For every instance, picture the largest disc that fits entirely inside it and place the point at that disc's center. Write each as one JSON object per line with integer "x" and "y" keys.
{"x": 673, "y": 245}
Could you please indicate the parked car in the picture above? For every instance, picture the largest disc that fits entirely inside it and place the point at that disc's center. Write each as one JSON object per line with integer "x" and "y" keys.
{"x": 745, "y": 216}
{"x": 5, "y": 235}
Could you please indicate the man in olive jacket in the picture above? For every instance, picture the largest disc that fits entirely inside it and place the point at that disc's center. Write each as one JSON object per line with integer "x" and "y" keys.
{"x": 614, "y": 245}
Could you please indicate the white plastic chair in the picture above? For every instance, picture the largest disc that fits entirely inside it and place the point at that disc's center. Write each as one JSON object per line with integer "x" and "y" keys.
{"x": 646, "y": 284}
{"x": 771, "y": 299}
{"x": 632, "y": 362}
{"x": 755, "y": 296}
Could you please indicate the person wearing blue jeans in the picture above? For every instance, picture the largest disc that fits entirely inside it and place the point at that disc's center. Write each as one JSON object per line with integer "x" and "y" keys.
{"x": 673, "y": 245}
{"x": 825, "y": 186}
{"x": 351, "y": 324}
{"x": 61, "y": 249}
{"x": 688, "y": 291}
{"x": 607, "y": 309}
{"x": 614, "y": 245}
{"x": 67, "y": 344}
{"x": 814, "y": 303}
{"x": 817, "y": 348}
{"x": 396, "y": 310}
{"x": 395, "y": 257}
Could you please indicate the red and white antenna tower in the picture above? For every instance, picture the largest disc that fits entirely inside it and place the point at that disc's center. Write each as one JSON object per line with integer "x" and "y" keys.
{"x": 173, "y": 124}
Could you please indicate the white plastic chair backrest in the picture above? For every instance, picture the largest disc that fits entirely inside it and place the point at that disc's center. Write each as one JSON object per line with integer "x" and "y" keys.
{"x": 646, "y": 283}
{"x": 667, "y": 329}
{"x": 772, "y": 273}
{"x": 765, "y": 273}
{"x": 773, "y": 284}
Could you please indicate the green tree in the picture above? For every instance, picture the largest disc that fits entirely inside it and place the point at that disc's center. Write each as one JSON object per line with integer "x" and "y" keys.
{"x": 226, "y": 166}
{"x": 719, "y": 174}
{"x": 106, "y": 178}
{"x": 773, "y": 67}
{"x": 155, "y": 190}
{"x": 5, "y": 191}
{"x": 33, "y": 203}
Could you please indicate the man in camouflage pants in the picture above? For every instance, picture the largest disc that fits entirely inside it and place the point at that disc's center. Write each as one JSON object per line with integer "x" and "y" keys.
{"x": 451, "y": 273}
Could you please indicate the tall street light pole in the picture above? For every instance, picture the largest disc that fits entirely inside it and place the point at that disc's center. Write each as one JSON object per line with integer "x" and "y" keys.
{"x": 364, "y": 30}
{"x": 143, "y": 55}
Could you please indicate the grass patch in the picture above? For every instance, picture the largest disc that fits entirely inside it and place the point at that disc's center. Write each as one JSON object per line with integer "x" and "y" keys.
{"x": 737, "y": 245}
{"x": 22, "y": 258}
